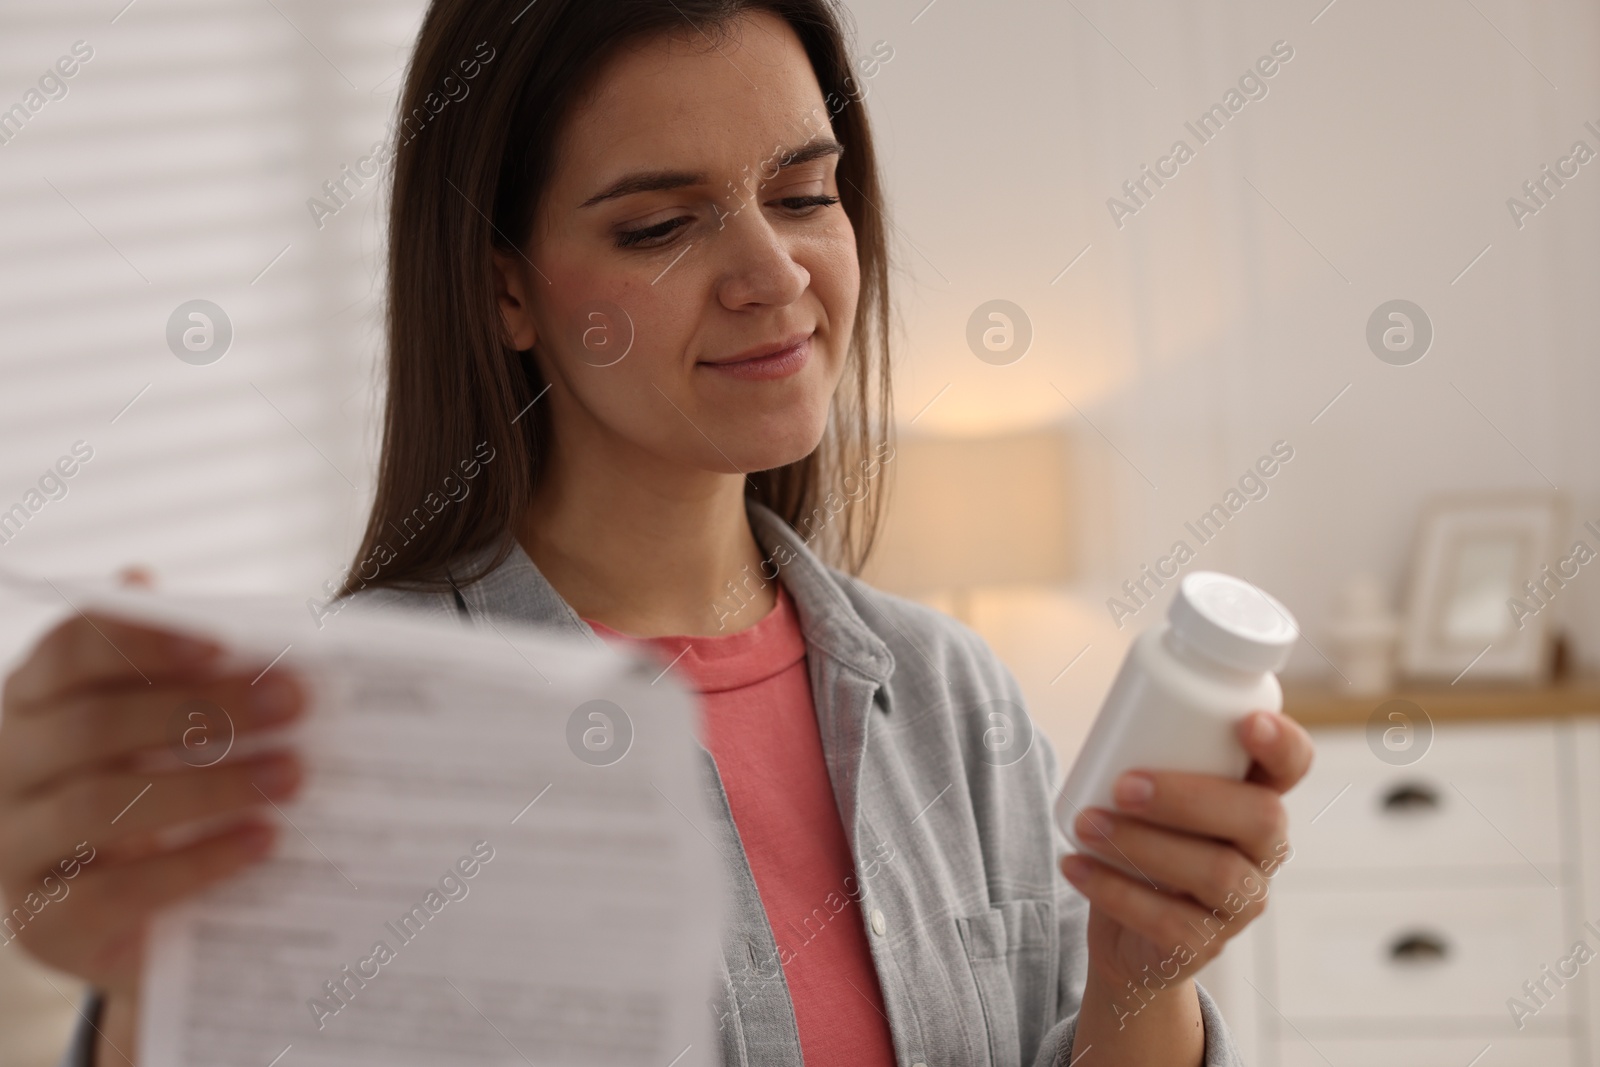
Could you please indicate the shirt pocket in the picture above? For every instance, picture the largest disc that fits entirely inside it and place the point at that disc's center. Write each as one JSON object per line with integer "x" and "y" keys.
{"x": 1009, "y": 949}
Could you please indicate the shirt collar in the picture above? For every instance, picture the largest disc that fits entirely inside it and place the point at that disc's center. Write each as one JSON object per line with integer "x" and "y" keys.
{"x": 828, "y": 618}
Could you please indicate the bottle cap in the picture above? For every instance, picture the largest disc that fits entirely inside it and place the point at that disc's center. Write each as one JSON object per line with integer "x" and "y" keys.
{"x": 1231, "y": 621}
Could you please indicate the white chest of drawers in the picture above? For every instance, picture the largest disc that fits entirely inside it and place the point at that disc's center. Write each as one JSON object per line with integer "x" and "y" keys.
{"x": 1424, "y": 898}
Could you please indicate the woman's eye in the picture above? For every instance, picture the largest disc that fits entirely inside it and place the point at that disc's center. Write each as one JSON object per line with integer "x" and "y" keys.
{"x": 649, "y": 236}
{"x": 803, "y": 203}
{"x": 657, "y": 236}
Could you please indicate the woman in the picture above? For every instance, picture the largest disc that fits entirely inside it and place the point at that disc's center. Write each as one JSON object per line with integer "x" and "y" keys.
{"x": 638, "y": 273}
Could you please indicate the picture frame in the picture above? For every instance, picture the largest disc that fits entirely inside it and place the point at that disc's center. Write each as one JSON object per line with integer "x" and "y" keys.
{"x": 1471, "y": 559}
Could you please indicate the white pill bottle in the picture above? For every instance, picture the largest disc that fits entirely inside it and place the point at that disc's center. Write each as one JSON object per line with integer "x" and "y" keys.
{"x": 1184, "y": 686}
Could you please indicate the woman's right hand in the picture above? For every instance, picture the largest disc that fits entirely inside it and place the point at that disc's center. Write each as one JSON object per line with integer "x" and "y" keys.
{"x": 81, "y": 866}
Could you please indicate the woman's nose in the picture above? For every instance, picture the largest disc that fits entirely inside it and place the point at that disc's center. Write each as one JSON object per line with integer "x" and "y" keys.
{"x": 758, "y": 262}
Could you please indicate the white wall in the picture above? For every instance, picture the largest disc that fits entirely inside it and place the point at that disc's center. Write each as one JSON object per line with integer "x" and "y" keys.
{"x": 1231, "y": 309}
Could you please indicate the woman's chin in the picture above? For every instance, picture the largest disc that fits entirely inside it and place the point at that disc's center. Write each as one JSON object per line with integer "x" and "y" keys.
{"x": 764, "y": 452}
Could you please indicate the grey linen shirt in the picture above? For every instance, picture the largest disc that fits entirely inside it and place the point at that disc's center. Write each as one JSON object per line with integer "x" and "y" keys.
{"x": 977, "y": 938}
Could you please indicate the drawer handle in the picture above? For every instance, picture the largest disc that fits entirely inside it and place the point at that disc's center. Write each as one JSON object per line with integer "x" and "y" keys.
{"x": 1418, "y": 948}
{"x": 1411, "y": 797}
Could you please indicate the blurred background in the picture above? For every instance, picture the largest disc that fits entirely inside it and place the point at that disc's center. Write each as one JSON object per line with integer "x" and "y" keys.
{"x": 1371, "y": 268}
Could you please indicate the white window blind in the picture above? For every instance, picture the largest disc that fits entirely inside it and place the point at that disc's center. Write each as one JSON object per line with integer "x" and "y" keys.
{"x": 173, "y": 165}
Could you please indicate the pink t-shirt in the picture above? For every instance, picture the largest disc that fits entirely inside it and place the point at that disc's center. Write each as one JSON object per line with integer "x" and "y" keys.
{"x": 760, "y": 725}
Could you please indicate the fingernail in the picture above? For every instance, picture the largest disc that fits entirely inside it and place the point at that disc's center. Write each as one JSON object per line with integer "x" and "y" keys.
{"x": 273, "y": 697}
{"x": 1075, "y": 867}
{"x": 1134, "y": 790}
{"x": 277, "y": 776}
{"x": 1264, "y": 730}
{"x": 1091, "y": 828}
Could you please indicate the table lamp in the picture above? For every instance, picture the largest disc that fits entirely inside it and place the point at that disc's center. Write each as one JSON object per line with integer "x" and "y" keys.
{"x": 971, "y": 512}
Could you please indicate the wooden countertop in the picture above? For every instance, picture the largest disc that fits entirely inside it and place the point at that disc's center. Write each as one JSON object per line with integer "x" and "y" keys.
{"x": 1311, "y": 704}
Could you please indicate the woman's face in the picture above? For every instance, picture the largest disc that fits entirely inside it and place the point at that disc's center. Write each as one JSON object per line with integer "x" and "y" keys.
{"x": 677, "y": 245}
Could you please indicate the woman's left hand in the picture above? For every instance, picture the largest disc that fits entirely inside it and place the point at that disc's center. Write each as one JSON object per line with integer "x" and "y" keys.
{"x": 1203, "y": 848}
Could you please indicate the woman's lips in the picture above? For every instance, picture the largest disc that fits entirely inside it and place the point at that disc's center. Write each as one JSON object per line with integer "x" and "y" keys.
{"x": 765, "y": 368}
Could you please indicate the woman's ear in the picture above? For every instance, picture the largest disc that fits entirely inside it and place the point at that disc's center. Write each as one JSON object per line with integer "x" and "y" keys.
{"x": 511, "y": 293}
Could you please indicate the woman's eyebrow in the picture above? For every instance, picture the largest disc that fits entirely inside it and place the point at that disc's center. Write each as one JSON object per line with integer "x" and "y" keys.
{"x": 663, "y": 180}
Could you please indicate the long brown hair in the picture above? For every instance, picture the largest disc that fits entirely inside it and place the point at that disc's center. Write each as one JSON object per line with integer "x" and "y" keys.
{"x": 470, "y": 166}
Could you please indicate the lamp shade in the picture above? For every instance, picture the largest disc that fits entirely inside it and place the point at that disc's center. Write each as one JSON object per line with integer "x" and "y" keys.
{"x": 970, "y": 512}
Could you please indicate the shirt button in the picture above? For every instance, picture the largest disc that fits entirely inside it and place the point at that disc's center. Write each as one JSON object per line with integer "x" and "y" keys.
{"x": 919, "y": 1063}
{"x": 878, "y": 927}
